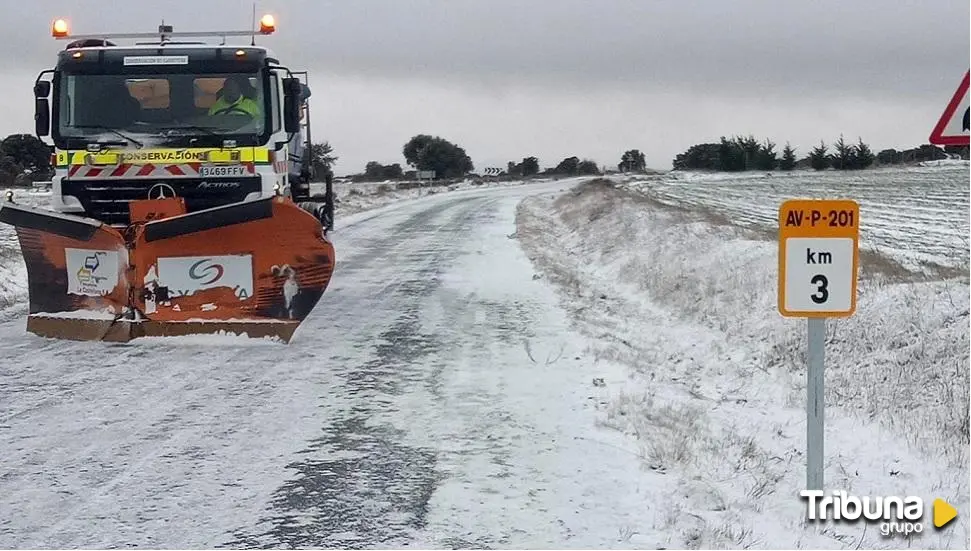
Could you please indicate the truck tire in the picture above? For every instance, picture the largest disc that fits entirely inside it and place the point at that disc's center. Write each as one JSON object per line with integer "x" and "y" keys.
{"x": 300, "y": 187}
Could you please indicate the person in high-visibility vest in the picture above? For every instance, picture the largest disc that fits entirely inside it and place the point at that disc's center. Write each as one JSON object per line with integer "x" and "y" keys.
{"x": 233, "y": 101}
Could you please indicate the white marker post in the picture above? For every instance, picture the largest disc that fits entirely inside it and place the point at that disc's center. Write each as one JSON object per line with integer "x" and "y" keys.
{"x": 424, "y": 174}
{"x": 818, "y": 265}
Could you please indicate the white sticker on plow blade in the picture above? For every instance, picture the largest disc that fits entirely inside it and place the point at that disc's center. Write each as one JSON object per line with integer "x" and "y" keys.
{"x": 90, "y": 272}
{"x": 184, "y": 275}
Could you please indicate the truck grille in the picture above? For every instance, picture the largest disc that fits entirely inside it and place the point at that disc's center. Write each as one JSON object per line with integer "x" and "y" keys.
{"x": 107, "y": 200}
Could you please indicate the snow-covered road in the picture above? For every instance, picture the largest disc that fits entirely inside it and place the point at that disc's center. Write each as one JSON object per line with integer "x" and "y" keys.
{"x": 436, "y": 397}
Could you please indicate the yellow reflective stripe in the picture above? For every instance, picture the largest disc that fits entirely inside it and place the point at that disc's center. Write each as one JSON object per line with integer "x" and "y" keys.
{"x": 103, "y": 158}
{"x": 216, "y": 155}
{"x": 224, "y": 156}
{"x": 79, "y": 158}
{"x": 255, "y": 155}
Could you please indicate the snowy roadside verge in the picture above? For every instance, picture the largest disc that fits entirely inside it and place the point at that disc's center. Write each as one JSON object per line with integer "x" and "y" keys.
{"x": 13, "y": 281}
{"x": 716, "y": 391}
{"x": 13, "y": 271}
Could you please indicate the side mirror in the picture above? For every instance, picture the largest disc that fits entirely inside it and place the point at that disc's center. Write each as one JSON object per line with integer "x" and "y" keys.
{"x": 291, "y": 104}
{"x": 42, "y": 116}
{"x": 42, "y": 88}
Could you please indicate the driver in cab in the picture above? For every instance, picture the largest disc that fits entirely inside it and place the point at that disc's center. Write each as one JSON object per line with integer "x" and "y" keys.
{"x": 233, "y": 99}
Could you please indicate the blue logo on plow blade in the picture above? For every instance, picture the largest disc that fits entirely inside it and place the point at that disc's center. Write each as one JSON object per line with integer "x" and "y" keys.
{"x": 86, "y": 274}
{"x": 91, "y": 272}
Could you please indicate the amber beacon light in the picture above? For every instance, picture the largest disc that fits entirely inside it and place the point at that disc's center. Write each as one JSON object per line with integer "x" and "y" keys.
{"x": 59, "y": 28}
{"x": 267, "y": 24}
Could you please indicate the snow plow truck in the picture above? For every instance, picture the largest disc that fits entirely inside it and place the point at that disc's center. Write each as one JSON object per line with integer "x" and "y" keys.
{"x": 180, "y": 202}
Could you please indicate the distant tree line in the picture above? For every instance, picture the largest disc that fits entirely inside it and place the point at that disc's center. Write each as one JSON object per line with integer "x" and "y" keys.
{"x": 743, "y": 153}
{"x": 736, "y": 155}
{"x": 448, "y": 160}
{"x": 844, "y": 156}
{"x": 570, "y": 166}
{"x": 926, "y": 152}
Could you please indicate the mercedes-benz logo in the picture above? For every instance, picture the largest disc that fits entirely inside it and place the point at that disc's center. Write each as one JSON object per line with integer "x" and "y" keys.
{"x": 160, "y": 194}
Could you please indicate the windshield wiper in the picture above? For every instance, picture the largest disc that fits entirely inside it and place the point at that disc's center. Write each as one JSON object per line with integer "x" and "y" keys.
{"x": 187, "y": 126}
{"x": 113, "y": 131}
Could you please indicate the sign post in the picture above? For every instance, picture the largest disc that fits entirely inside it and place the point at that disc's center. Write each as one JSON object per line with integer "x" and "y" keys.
{"x": 424, "y": 174}
{"x": 953, "y": 127}
{"x": 818, "y": 266}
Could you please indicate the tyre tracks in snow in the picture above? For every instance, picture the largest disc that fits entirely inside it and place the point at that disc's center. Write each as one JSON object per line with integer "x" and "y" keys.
{"x": 358, "y": 484}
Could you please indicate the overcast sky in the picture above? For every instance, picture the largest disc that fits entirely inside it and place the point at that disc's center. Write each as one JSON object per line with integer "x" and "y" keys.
{"x": 556, "y": 78}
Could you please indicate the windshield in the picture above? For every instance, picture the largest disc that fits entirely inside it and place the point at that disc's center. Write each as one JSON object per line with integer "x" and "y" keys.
{"x": 171, "y": 109}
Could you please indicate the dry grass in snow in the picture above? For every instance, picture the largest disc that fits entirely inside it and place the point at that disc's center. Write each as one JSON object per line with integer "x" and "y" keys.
{"x": 716, "y": 393}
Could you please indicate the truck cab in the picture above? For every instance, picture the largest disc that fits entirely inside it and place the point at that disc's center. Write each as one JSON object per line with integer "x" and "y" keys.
{"x": 213, "y": 124}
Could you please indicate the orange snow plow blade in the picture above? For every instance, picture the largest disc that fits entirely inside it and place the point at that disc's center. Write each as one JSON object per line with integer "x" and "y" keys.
{"x": 75, "y": 273}
{"x": 256, "y": 268}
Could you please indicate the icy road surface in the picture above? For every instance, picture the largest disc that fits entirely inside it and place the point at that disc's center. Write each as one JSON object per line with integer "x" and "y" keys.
{"x": 407, "y": 411}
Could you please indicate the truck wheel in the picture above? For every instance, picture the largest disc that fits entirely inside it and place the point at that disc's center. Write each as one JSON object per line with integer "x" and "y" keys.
{"x": 300, "y": 188}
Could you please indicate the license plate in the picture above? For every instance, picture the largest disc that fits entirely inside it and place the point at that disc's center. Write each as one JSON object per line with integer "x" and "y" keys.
{"x": 217, "y": 171}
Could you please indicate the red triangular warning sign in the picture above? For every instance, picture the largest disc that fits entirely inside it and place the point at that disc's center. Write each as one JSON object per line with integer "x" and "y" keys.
{"x": 952, "y": 129}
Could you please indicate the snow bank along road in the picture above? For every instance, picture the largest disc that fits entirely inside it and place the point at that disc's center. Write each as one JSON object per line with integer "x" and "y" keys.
{"x": 436, "y": 397}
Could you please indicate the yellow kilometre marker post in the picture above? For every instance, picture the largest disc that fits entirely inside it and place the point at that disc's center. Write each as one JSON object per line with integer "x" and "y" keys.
{"x": 944, "y": 513}
{"x": 818, "y": 258}
{"x": 818, "y": 265}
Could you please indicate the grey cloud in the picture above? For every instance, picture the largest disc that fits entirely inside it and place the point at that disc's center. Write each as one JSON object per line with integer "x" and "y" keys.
{"x": 742, "y": 47}
{"x": 737, "y": 47}
{"x": 806, "y": 69}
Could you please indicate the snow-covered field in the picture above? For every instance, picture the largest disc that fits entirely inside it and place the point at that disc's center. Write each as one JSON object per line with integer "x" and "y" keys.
{"x": 714, "y": 388}
{"x": 917, "y": 216}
